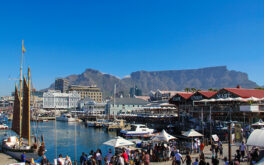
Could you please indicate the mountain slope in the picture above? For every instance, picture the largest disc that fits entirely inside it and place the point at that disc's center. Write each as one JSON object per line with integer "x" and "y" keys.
{"x": 204, "y": 78}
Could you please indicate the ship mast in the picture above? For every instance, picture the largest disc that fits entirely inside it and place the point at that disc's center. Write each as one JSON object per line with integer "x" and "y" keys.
{"x": 20, "y": 90}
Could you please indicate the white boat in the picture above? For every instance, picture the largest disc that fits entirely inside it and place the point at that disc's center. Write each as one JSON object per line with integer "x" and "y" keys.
{"x": 90, "y": 123}
{"x": 3, "y": 126}
{"x": 66, "y": 118}
{"x": 13, "y": 143}
{"x": 137, "y": 129}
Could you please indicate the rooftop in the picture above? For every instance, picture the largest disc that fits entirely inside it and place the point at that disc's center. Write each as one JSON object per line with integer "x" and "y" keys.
{"x": 129, "y": 101}
{"x": 245, "y": 93}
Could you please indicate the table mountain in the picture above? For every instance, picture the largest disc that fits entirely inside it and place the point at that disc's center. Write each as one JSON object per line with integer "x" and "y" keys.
{"x": 204, "y": 78}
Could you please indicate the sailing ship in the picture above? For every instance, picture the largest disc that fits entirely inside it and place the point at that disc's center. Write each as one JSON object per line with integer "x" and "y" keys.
{"x": 21, "y": 118}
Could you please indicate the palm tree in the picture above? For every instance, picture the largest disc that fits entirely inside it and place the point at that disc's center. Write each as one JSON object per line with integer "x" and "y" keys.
{"x": 193, "y": 90}
{"x": 187, "y": 89}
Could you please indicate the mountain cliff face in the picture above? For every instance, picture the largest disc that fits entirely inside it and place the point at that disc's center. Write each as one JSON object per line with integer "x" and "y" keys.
{"x": 204, "y": 78}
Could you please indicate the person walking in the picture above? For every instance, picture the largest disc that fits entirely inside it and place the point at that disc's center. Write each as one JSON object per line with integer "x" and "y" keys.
{"x": 32, "y": 162}
{"x": 23, "y": 157}
{"x": 60, "y": 160}
{"x": 146, "y": 161}
{"x": 188, "y": 159}
{"x": 109, "y": 155}
{"x": 44, "y": 161}
{"x": 196, "y": 162}
{"x": 98, "y": 157}
{"x": 178, "y": 158}
{"x": 242, "y": 149}
{"x": 67, "y": 160}
{"x": 202, "y": 146}
{"x": 125, "y": 156}
{"x": 83, "y": 159}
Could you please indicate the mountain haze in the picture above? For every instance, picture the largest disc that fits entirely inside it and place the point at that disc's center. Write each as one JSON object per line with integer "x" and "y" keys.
{"x": 204, "y": 78}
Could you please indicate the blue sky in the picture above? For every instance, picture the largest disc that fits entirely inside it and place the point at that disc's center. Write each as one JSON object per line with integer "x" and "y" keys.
{"x": 119, "y": 37}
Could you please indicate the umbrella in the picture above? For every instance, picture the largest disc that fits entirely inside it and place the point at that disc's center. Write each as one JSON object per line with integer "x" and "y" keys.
{"x": 118, "y": 142}
{"x": 192, "y": 133}
{"x": 163, "y": 136}
{"x": 256, "y": 138}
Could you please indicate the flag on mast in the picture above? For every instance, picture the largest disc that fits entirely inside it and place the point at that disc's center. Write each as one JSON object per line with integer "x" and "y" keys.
{"x": 23, "y": 48}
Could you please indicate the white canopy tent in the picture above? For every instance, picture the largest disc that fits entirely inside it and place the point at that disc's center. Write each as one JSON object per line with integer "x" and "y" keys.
{"x": 256, "y": 138}
{"x": 163, "y": 136}
{"x": 259, "y": 123}
{"x": 192, "y": 133}
{"x": 118, "y": 142}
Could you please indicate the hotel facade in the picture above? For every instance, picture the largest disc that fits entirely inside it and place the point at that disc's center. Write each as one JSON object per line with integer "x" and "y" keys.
{"x": 91, "y": 92}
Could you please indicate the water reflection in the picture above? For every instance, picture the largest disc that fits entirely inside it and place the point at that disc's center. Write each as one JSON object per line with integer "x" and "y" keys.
{"x": 87, "y": 138}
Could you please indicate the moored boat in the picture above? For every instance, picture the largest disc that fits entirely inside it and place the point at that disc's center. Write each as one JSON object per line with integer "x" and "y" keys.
{"x": 3, "y": 126}
{"x": 16, "y": 145}
{"x": 137, "y": 129}
{"x": 66, "y": 118}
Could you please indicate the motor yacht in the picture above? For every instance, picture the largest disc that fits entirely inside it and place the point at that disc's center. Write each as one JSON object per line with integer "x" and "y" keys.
{"x": 3, "y": 126}
{"x": 66, "y": 118}
{"x": 137, "y": 129}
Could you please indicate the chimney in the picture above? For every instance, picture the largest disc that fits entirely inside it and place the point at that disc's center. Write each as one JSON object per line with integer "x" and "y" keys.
{"x": 238, "y": 87}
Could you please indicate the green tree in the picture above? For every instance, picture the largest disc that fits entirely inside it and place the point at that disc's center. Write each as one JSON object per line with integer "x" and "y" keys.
{"x": 193, "y": 90}
{"x": 187, "y": 89}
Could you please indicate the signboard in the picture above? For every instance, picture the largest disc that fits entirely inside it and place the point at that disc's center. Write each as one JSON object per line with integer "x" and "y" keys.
{"x": 215, "y": 138}
{"x": 199, "y": 97}
{"x": 176, "y": 98}
{"x": 238, "y": 133}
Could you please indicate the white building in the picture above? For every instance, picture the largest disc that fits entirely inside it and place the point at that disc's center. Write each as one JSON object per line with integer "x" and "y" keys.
{"x": 55, "y": 99}
{"x": 90, "y": 107}
{"x": 124, "y": 105}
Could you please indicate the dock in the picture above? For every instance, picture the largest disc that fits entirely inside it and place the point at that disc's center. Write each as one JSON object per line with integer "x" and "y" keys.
{"x": 6, "y": 159}
{"x": 17, "y": 155}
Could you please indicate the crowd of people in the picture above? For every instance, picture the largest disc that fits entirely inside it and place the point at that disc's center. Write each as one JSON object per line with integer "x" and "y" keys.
{"x": 159, "y": 152}
{"x": 121, "y": 157}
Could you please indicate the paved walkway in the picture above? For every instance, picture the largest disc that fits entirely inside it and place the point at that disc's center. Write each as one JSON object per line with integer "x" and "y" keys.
{"x": 5, "y": 159}
{"x": 208, "y": 156}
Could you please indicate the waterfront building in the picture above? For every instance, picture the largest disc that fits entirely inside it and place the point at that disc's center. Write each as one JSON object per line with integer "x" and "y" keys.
{"x": 162, "y": 95}
{"x": 91, "y": 92}
{"x": 92, "y": 108}
{"x": 55, "y": 99}
{"x": 135, "y": 91}
{"x": 62, "y": 84}
{"x": 237, "y": 104}
{"x": 124, "y": 105}
{"x": 158, "y": 110}
{"x": 146, "y": 98}
{"x": 6, "y": 102}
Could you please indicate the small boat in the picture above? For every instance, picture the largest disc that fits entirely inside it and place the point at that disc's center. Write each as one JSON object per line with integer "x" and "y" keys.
{"x": 90, "y": 123}
{"x": 137, "y": 129}
{"x": 66, "y": 118}
{"x": 45, "y": 120}
{"x": 3, "y": 126}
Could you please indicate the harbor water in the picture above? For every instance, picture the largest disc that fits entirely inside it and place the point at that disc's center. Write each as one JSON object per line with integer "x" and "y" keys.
{"x": 87, "y": 138}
